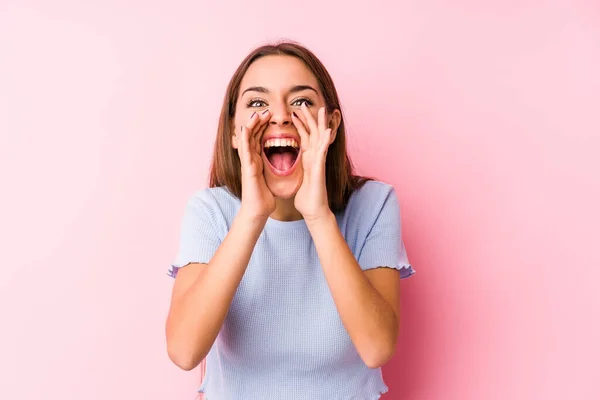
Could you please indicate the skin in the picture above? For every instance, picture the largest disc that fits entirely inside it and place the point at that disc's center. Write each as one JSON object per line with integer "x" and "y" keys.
{"x": 279, "y": 76}
{"x": 367, "y": 301}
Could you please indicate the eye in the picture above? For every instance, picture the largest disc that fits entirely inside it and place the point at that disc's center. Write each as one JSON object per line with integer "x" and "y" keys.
{"x": 298, "y": 102}
{"x": 256, "y": 103}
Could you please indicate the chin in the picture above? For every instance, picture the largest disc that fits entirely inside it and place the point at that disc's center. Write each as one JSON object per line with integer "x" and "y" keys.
{"x": 284, "y": 187}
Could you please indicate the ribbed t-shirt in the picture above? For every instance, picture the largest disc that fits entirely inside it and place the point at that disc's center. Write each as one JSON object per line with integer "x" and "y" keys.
{"x": 283, "y": 337}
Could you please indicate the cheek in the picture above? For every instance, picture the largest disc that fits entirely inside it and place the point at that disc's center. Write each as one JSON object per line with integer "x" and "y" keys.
{"x": 241, "y": 118}
{"x": 236, "y": 124}
{"x": 314, "y": 112}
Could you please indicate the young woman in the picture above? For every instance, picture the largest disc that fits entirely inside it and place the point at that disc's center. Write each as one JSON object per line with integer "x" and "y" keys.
{"x": 287, "y": 276}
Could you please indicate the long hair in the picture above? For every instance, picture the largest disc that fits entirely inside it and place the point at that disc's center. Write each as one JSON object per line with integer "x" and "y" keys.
{"x": 339, "y": 171}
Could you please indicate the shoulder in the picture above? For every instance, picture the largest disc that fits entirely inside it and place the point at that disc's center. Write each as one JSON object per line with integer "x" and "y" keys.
{"x": 214, "y": 201}
{"x": 370, "y": 203}
{"x": 371, "y": 195}
{"x": 212, "y": 194}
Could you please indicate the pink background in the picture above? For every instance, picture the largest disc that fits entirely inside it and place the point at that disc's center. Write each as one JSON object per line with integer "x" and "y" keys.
{"x": 484, "y": 115}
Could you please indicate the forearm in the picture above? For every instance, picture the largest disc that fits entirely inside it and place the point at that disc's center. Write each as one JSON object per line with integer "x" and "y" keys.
{"x": 369, "y": 319}
{"x": 197, "y": 315}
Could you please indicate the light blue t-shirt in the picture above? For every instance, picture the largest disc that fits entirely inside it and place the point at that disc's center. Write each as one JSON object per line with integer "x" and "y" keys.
{"x": 283, "y": 337}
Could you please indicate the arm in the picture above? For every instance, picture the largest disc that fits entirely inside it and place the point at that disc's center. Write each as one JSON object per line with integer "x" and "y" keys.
{"x": 367, "y": 301}
{"x": 202, "y": 294}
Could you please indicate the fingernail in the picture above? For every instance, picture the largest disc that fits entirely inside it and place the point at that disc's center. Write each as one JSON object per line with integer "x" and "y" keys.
{"x": 242, "y": 128}
{"x": 294, "y": 114}
{"x": 264, "y": 112}
{"x": 253, "y": 114}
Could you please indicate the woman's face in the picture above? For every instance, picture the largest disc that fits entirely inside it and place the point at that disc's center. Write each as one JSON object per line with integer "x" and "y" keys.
{"x": 280, "y": 84}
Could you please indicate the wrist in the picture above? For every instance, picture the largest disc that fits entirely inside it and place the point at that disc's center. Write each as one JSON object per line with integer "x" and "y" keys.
{"x": 326, "y": 218}
{"x": 251, "y": 221}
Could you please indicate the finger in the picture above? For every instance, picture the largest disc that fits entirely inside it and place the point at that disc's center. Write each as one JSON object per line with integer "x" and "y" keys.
{"x": 256, "y": 124}
{"x": 252, "y": 121}
{"x": 301, "y": 119}
{"x": 325, "y": 140}
{"x": 257, "y": 138}
{"x": 322, "y": 119}
{"x": 242, "y": 146}
{"x": 248, "y": 148}
{"x": 300, "y": 127}
{"x": 259, "y": 131}
{"x": 261, "y": 123}
{"x": 240, "y": 137}
{"x": 310, "y": 121}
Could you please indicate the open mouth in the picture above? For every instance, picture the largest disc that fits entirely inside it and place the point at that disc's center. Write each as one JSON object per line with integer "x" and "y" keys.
{"x": 281, "y": 154}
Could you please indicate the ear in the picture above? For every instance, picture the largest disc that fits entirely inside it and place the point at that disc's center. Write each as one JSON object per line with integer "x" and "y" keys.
{"x": 335, "y": 118}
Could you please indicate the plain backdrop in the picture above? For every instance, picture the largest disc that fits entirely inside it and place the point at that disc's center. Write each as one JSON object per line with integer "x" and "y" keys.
{"x": 484, "y": 115}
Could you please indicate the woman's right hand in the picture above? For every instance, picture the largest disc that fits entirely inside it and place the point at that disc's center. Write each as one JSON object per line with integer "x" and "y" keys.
{"x": 257, "y": 200}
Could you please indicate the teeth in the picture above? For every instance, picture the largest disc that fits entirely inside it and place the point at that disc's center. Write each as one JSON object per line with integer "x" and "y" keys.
{"x": 281, "y": 143}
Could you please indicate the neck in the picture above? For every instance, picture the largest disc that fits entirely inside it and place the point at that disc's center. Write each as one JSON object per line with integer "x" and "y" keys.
{"x": 285, "y": 210}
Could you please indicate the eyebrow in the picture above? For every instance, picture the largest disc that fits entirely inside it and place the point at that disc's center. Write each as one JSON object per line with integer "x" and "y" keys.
{"x": 294, "y": 89}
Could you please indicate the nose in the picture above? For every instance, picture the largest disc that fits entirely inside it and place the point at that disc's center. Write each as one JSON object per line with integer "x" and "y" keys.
{"x": 280, "y": 114}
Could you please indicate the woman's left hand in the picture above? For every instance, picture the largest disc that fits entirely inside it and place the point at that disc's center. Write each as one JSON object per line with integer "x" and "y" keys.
{"x": 311, "y": 199}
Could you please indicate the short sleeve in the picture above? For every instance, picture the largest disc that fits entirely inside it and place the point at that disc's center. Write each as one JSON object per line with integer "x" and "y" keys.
{"x": 383, "y": 246}
{"x": 198, "y": 237}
